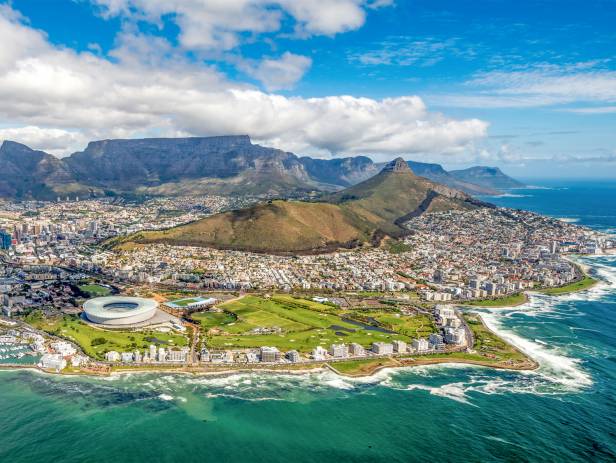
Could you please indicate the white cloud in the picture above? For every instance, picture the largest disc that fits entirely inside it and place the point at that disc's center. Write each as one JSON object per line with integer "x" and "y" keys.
{"x": 44, "y": 88}
{"x": 326, "y": 17}
{"x": 407, "y": 51}
{"x": 218, "y": 24}
{"x": 540, "y": 85}
{"x": 54, "y": 141}
{"x": 278, "y": 74}
{"x": 593, "y": 110}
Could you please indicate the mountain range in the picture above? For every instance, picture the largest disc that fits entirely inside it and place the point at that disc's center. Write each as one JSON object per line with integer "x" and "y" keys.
{"x": 202, "y": 165}
{"x": 362, "y": 214}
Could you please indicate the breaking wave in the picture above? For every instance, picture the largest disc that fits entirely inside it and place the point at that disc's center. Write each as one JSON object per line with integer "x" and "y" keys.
{"x": 569, "y": 219}
{"x": 522, "y": 326}
{"x": 513, "y": 195}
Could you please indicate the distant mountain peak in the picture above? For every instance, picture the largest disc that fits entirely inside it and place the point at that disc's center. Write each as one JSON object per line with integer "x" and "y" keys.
{"x": 491, "y": 177}
{"x": 229, "y": 164}
{"x": 397, "y": 165}
{"x": 10, "y": 144}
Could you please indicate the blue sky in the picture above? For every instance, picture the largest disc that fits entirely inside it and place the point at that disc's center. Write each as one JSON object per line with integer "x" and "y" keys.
{"x": 528, "y": 86}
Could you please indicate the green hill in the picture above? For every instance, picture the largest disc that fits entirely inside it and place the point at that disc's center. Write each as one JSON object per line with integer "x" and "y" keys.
{"x": 360, "y": 214}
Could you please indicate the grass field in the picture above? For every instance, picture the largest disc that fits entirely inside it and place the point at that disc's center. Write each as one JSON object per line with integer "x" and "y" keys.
{"x": 209, "y": 320}
{"x": 95, "y": 290}
{"x": 398, "y": 247}
{"x": 580, "y": 285}
{"x": 417, "y": 326}
{"x": 95, "y": 342}
{"x": 514, "y": 299}
{"x": 304, "y": 324}
{"x": 362, "y": 367}
{"x": 184, "y": 302}
{"x": 488, "y": 346}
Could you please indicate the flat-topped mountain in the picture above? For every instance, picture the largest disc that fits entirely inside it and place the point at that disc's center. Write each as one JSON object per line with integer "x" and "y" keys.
{"x": 360, "y": 214}
{"x": 167, "y": 166}
{"x": 228, "y": 165}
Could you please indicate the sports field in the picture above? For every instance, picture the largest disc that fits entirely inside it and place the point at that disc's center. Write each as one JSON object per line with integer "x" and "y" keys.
{"x": 95, "y": 290}
{"x": 298, "y": 324}
{"x": 179, "y": 303}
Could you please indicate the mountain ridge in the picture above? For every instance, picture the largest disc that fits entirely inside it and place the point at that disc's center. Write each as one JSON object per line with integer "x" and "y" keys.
{"x": 229, "y": 164}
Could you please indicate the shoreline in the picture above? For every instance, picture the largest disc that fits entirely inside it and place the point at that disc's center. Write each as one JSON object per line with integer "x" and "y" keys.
{"x": 526, "y": 298}
{"x": 392, "y": 362}
{"x": 397, "y": 363}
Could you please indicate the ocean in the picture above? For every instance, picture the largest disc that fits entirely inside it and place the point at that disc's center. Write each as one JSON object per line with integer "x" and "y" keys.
{"x": 563, "y": 412}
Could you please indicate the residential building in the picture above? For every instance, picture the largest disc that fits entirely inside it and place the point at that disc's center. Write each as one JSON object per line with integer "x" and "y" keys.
{"x": 52, "y": 362}
{"x": 339, "y": 350}
{"x": 399, "y": 346}
{"x": 269, "y": 354}
{"x": 382, "y": 348}
{"x": 319, "y": 353}
{"x": 112, "y": 356}
{"x": 357, "y": 350}
{"x": 420, "y": 345}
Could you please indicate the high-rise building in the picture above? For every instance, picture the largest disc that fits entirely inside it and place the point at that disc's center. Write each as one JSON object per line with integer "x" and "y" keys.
{"x": 318, "y": 353}
{"x": 5, "y": 240}
{"x": 357, "y": 349}
{"x": 339, "y": 350}
{"x": 177, "y": 355}
{"x": 399, "y": 346}
{"x": 436, "y": 340}
{"x": 293, "y": 356}
{"x": 382, "y": 348}
{"x": 420, "y": 345}
{"x": 93, "y": 228}
{"x": 491, "y": 289}
{"x": 270, "y": 354}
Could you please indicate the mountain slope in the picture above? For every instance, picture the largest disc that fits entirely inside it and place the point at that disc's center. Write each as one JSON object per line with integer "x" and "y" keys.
{"x": 31, "y": 174}
{"x": 489, "y": 177}
{"x": 436, "y": 173}
{"x": 342, "y": 172}
{"x": 362, "y": 213}
{"x": 396, "y": 192}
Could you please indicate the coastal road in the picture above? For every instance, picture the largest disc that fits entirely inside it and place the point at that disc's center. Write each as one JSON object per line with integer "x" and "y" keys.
{"x": 470, "y": 338}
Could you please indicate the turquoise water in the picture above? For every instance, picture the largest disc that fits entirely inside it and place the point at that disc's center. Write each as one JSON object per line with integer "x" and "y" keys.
{"x": 565, "y": 411}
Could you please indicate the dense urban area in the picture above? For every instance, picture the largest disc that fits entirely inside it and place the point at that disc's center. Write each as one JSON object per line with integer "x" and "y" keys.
{"x": 397, "y": 301}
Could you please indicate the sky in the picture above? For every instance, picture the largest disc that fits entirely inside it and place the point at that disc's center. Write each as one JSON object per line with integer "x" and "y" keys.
{"x": 529, "y": 86}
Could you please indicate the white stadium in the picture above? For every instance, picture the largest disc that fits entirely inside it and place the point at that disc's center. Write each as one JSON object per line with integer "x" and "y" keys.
{"x": 119, "y": 310}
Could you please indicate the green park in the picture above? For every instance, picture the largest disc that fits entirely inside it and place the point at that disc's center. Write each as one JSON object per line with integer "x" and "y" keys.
{"x": 585, "y": 283}
{"x": 95, "y": 342}
{"x": 301, "y": 324}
